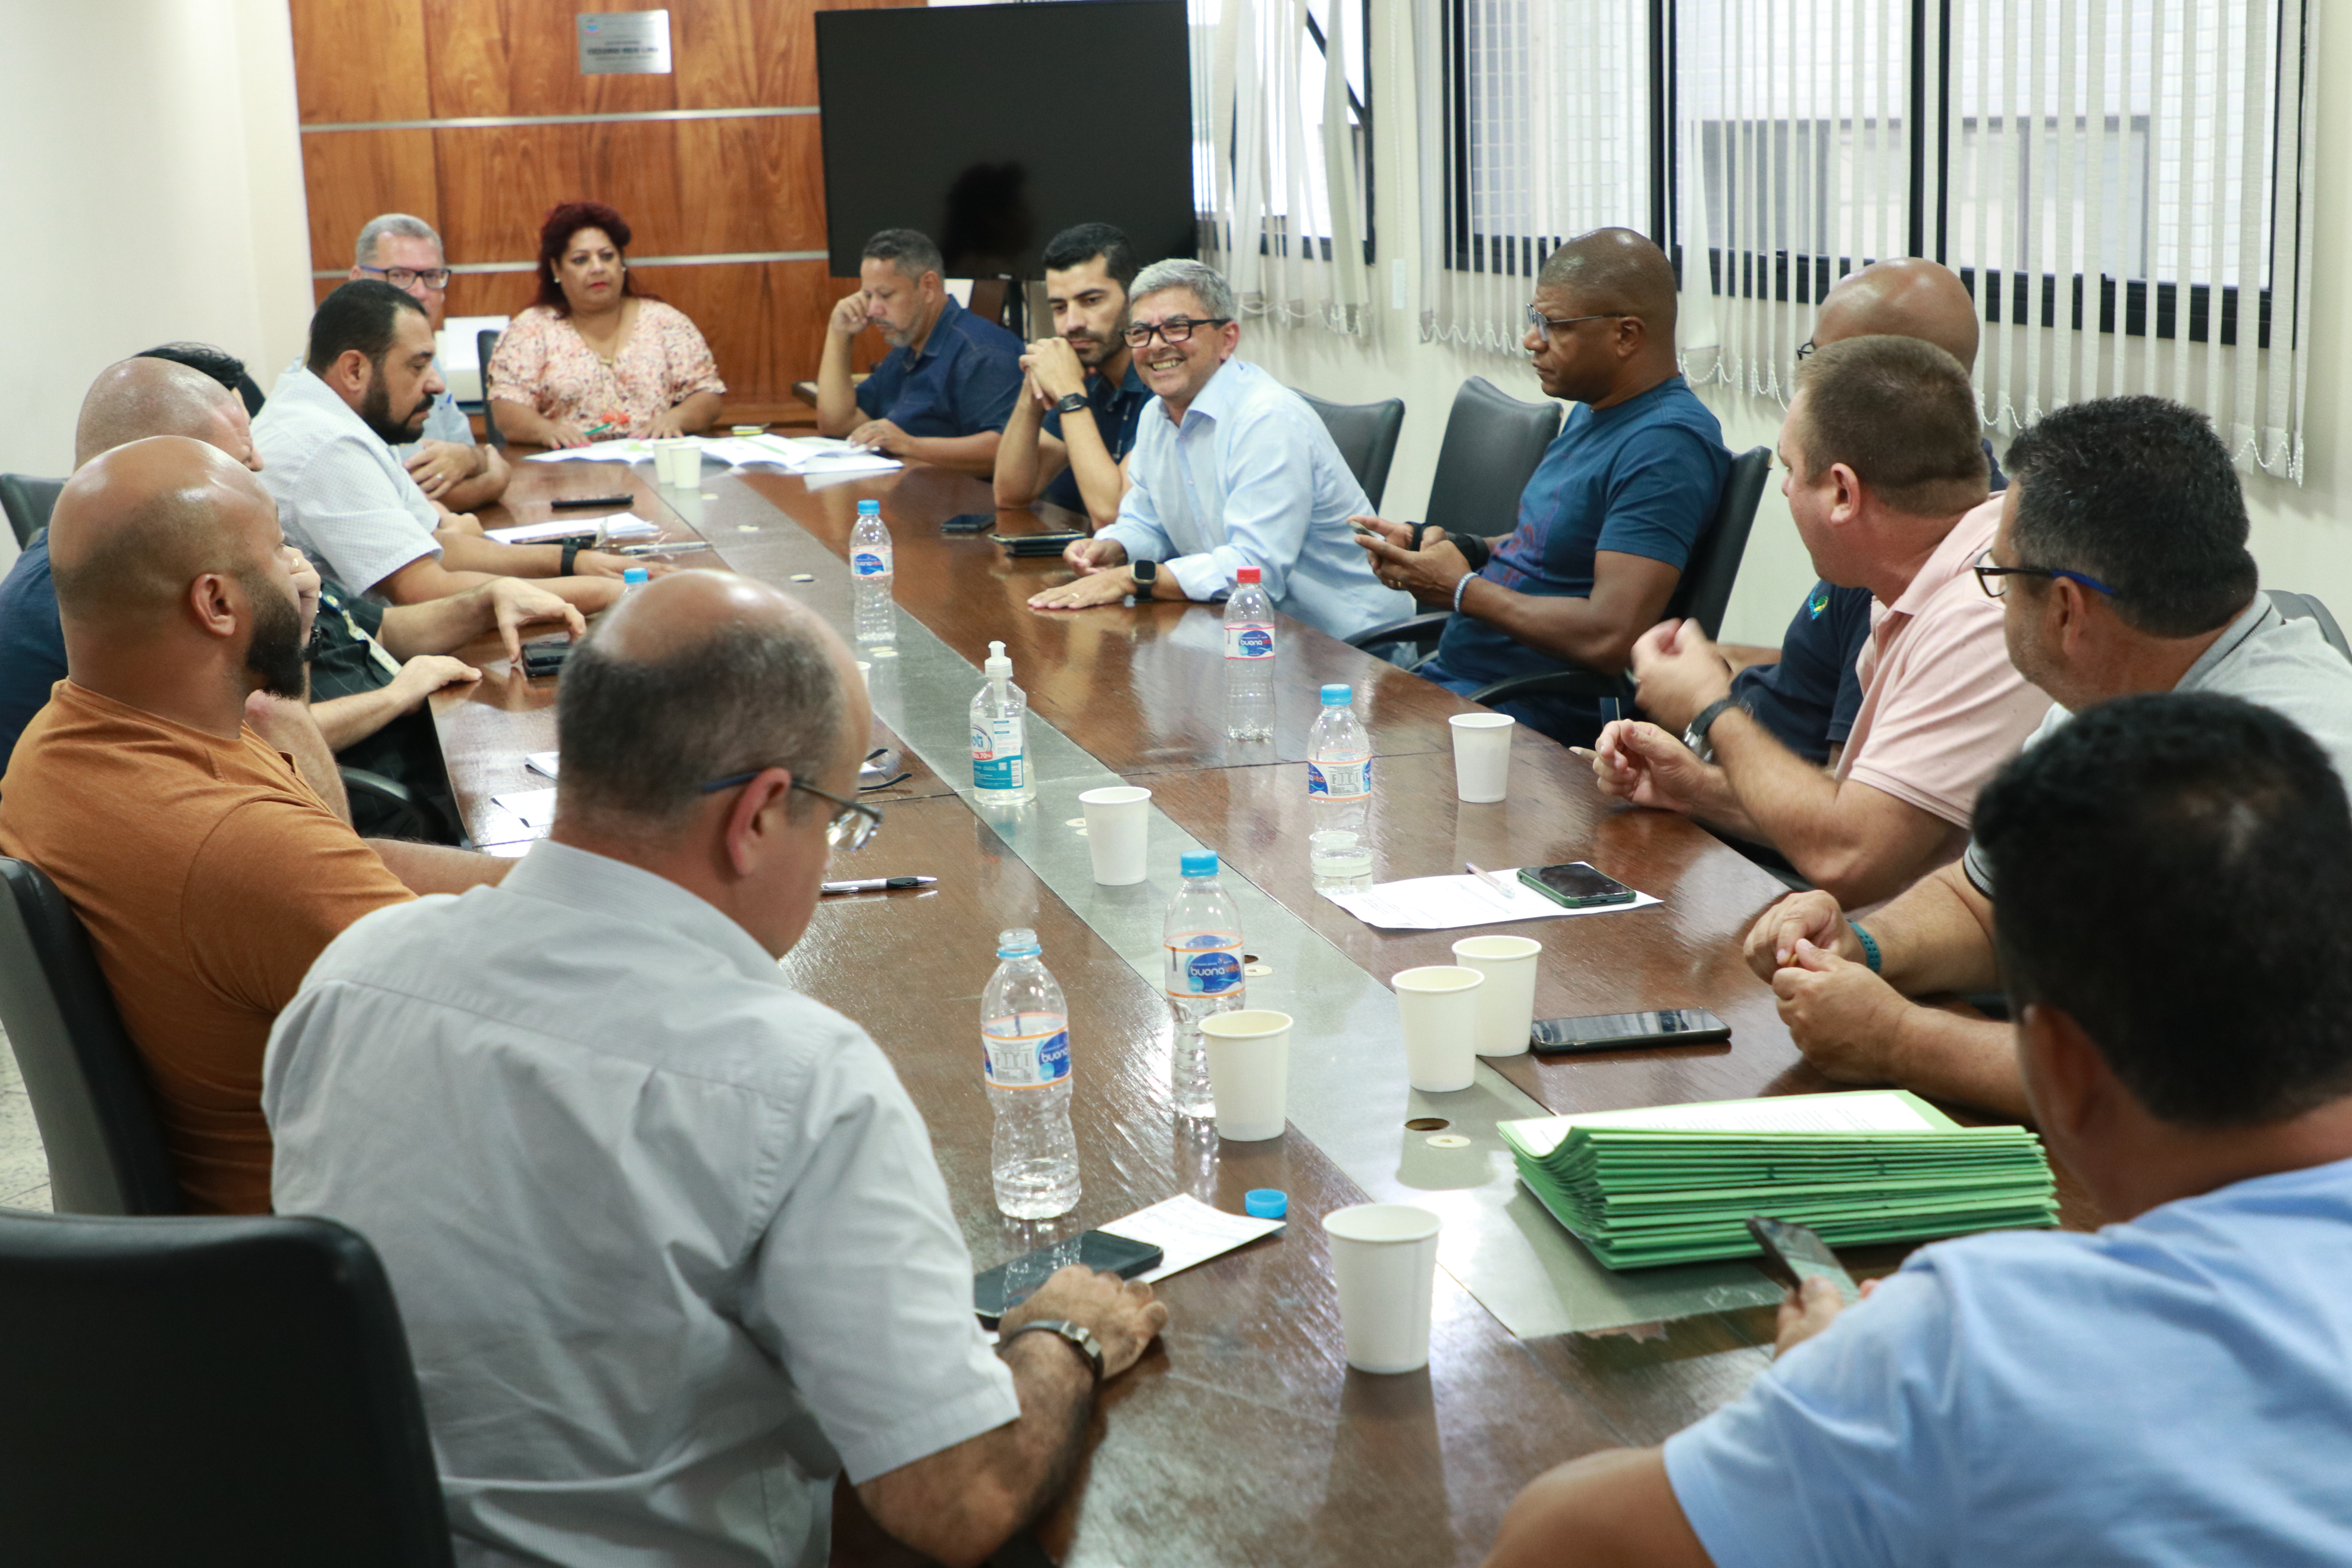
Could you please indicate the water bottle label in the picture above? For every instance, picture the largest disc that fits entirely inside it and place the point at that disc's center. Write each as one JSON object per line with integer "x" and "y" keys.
{"x": 1027, "y": 1061}
{"x": 870, "y": 560}
{"x": 997, "y": 760}
{"x": 1197, "y": 968}
{"x": 1340, "y": 781}
{"x": 1252, "y": 641}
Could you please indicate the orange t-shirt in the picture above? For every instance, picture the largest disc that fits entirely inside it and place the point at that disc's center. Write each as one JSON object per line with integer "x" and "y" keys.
{"x": 209, "y": 876}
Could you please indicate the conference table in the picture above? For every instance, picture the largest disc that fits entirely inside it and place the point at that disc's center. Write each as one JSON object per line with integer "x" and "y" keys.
{"x": 1242, "y": 1436}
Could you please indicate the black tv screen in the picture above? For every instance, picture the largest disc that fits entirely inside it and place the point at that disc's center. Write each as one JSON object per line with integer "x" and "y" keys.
{"x": 991, "y": 128}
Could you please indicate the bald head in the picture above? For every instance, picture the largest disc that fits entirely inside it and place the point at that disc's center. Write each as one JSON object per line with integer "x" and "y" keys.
{"x": 142, "y": 397}
{"x": 140, "y": 521}
{"x": 699, "y": 676}
{"x": 1906, "y": 298}
{"x": 1616, "y": 273}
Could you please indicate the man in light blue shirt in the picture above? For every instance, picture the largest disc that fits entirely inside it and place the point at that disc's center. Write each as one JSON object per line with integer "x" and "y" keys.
{"x": 1231, "y": 468}
{"x": 2175, "y": 931}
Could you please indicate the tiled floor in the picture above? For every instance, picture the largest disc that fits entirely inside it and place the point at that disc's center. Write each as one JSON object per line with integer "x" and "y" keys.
{"x": 24, "y": 1171}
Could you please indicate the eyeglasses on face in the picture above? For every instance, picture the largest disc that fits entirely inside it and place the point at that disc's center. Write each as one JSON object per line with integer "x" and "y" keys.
{"x": 1805, "y": 349}
{"x": 849, "y": 829}
{"x": 1174, "y": 329}
{"x": 1988, "y": 576}
{"x": 1544, "y": 326}
{"x": 402, "y": 277}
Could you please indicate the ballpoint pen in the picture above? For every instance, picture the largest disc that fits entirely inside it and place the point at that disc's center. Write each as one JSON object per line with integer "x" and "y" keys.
{"x": 669, "y": 547}
{"x": 879, "y": 884}
{"x": 1488, "y": 879}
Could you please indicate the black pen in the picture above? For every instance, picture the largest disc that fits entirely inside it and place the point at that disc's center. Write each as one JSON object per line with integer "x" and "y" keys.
{"x": 879, "y": 884}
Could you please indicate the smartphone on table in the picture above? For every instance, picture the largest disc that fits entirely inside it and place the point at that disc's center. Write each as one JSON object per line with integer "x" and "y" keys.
{"x": 969, "y": 522}
{"x": 999, "y": 1289}
{"x": 1618, "y": 1031}
{"x": 1576, "y": 886}
{"x": 1802, "y": 1255}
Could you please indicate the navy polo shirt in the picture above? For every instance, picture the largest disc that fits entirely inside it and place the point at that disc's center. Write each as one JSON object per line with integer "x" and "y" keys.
{"x": 32, "y": 643}
{"x": 965, "y": 384}
{"x": 1117, "y": 409}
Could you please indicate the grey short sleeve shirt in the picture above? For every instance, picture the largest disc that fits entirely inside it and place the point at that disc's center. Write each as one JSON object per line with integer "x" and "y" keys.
{"x": 668, "y": 1237}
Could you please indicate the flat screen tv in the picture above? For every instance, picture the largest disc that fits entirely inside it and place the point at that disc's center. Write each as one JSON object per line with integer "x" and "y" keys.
{"x": 991, "y": 128}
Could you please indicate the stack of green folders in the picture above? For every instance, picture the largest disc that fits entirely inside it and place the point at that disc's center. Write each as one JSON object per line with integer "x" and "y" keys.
{"x": 1677, "y": 1184}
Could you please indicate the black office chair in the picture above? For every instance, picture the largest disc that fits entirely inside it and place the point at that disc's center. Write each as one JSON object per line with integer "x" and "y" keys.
{"x": 486, "y": 343}
{"x": 1492, "y": 443}
{"x": 2306, "y": 608}
{"x": 208, "y": 1390}
{"x": 28, "y": 502}
{"x": 423, "y": 807}
{"x": 1366, "y": 435}
{"x": 89, "y": 1091}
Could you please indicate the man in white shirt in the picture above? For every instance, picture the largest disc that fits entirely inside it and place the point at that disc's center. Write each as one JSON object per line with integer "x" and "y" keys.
{"x": 1231, "y": 468}
{"x": 448, "y": 464}
{"x": 668, "y": 1237}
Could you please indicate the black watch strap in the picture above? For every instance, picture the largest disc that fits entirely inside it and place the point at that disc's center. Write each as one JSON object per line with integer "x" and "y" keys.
{"x": 1696, "y": 736}
{"x": 1077, "y": 1337}
{"x": 1072, "y": 404}
{"x": 571, "y": 548}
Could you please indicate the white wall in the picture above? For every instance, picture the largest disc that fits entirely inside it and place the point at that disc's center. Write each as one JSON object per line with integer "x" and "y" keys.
{"x": 2302, "y": 534}
{"x": 153, "y": 179}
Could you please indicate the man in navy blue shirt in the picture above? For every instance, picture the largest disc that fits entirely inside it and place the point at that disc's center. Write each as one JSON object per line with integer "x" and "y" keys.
{"x": 1613, "y": 511}
{"x": 1085, "y": 376}
{"x": 942, "y": 394}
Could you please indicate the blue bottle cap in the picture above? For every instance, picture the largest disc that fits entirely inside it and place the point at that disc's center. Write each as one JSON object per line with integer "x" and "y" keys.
{"x": 1265, "y": 1203}
{"x": 869, "y": 509}
{"x": 1198, "y": 863}
{"x": 633, "y": 575}
{"x": 1338, "y": 696}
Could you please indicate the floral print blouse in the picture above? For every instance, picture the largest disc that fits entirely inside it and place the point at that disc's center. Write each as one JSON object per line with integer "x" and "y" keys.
{"x": 542, "y": 361}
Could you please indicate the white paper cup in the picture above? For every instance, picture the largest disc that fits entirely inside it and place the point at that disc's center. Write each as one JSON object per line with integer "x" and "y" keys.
{"x": 1482, "y": 756}
{"x": 1118, "y": 833}
{"x": 1384, "y": 1260}
{"x": 1249, "y": 1071}
{"x": 1506, "y": 1003}
{"x": 1439, "y": 1003}
{"x": 677, "y": 460}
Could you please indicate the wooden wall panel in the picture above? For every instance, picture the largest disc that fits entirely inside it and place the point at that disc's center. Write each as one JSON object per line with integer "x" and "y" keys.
{"x": 350, "y": 176}
{"x": 360, "y": 60}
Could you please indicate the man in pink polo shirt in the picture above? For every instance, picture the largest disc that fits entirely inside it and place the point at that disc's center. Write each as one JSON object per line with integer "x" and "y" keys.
{"x": 1886, "y": 482}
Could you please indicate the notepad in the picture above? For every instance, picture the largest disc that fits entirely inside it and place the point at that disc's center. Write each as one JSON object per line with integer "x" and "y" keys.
{"x": 1675, "y": 1184}
{"x": 1449, "y": 903}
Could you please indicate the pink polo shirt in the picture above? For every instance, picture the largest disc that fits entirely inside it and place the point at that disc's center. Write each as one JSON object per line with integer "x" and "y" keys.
{"x": 1941, "y": 705}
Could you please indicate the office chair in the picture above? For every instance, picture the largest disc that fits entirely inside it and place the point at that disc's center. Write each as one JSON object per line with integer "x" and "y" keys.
{"x": 1492, "y": 443}
{"x": 2306, "y": 608}
{"x": 83, "y": 1075}
{"x": 28, "y": 502}
{"x": 208, "y": 1390}
{"x": 486, "y": 343}
{"x": 1366, "y": 435}
{"x": 425, "y": 807}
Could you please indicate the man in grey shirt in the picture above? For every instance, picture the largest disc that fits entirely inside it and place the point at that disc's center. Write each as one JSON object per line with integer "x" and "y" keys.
{"x": 2122, "y": 567}
{"x": 668, "y": 1237}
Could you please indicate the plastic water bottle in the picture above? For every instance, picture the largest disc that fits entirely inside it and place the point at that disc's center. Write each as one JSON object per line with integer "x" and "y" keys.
{"x": 1339, "y": 794}
{"x": 870, "y": 569}
{"x": 1000, "y": 735}
{"x": 634, "y": 577}
{"x": 1249, "y": 660}
{"x": 1024, "y": 1036}
{"x": 1203, "y": 936}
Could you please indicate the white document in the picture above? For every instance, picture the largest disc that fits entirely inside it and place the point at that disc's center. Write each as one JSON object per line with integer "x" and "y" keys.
{"x": 831, "y": 463}
{"x": 737, "y": 451}
{"x": 1444, "y": 903}
{"x": 620, "y": 525}
{"x": 1187, "y": 1231}
{"x": 624, "y": 451}
{"x": 1865, "y": 1111}
{"x": 536, "y": 807}
{"x": 540, "y": 763}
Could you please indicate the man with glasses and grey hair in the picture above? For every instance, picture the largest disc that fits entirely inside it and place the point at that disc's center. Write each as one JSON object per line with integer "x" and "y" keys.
{"x": 447, "y": 463}
{"x": 1231, "y": 468}
{"x": 668, "y": 1238}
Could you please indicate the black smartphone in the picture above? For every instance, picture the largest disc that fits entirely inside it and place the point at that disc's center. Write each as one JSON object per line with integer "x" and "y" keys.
{"x": 969, "y": 522}
{"x": 545, "y": 657}
{"x": 1038, "y": 543}
{"x": 565, "y": 503}
{"x": 1802, "y": 1255}
{"x": 1616, "y": 1031}
{"x": 1006, "y": 1285}
{"x": 1576, "y": 886}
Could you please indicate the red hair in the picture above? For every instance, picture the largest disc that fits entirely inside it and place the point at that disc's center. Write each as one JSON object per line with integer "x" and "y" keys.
{"x": 565, "y": 219}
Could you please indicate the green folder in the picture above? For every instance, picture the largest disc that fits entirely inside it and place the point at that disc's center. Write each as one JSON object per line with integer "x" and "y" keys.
{"x": 1675, "y": 1184}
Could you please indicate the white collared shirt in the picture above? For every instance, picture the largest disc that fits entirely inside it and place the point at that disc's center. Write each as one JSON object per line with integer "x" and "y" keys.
{"x": 342, "y": 496}
{"x": 668, "y": 1236}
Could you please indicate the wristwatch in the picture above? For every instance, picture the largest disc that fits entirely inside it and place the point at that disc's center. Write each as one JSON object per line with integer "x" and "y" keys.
{"x": 1147, "y": 572}
{"x": 1081, "y": 1338}
{"x": 571, "y": 548}
{"x": 1696, "y": 736}
{"x": 1071, "y": 404}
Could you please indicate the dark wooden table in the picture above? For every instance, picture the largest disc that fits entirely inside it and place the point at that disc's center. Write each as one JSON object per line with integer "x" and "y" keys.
{"x": 1242, "y": 1437}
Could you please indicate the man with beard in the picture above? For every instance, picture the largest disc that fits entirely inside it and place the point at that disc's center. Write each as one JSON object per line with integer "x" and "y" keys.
{"x": 1075, "y": 422}
{"x": 160, "y": 790}
{"x": 445, "y": 461}
{"x": 943, "y": 393}
{"x": 326, "y": 437}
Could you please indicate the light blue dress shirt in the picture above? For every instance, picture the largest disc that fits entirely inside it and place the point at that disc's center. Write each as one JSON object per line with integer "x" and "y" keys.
{"x": 1252, "y": 479}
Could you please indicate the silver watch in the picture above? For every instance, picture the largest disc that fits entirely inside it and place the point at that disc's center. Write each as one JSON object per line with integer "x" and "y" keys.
{"x": 1078, "y": 1334}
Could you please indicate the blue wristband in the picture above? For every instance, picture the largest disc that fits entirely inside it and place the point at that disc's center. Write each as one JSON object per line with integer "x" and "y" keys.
{"x": 1460, "y": 586}
{"x": 1869, "y": 946}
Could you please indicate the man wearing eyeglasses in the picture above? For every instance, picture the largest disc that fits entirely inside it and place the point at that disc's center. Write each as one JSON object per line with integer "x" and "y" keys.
{"x": 671, "y": 1248}
{"x": 2120, "y": 566}
{"x": 447, "y": 463}
{"x": 1231, "y": 468}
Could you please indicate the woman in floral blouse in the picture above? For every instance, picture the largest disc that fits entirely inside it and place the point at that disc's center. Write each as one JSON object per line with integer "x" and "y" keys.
{"x": 596, "y": 358}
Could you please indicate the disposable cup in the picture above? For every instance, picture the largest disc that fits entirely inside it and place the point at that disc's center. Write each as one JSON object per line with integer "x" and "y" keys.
{"x": 1249, "y": 1072}
{"x": 1439, "y": 1003}
{"x": 1506, "y": 1003}
{"x": 677, "y": 460}
{"x": 1482, "y": 756}
{"x": 1384, "y": 1261}
{"x": 1118, "y": 832}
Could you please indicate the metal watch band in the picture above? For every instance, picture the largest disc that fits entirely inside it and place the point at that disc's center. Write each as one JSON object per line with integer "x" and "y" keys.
{"x": 1072, "y": 404}
{"x": 1080, "y": 1338}
{"x": 1696, "y": 736}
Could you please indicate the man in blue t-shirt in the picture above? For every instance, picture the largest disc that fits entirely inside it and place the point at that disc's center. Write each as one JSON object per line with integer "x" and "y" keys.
{"x": 2176, "y": 884}
{"x": 1075, "y": 420}
{"x": 942, "y": 394}
{"x": 1613, "y": 511}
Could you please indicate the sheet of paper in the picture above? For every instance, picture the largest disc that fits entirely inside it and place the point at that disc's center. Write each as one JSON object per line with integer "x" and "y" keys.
{"x": 535, "y": 807}
{"x": 737, "y": 451}
{"x": 1443, "y": 904}
{"x": 619, "y": 525}
{"x": 1187, "y": 1231}
{"x": 540, "y": 763}
{"x": 1864, "y": 1110}
{"x": 849, "y": 463}
{"x": 629, "y": 525}
{"x": 624, "y": 451}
